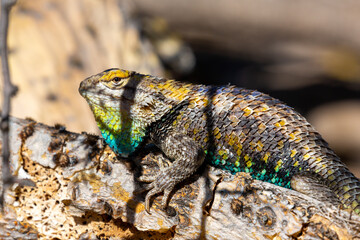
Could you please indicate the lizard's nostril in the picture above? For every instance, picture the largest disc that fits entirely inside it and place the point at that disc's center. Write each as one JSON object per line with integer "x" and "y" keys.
{"x": 83, "y": 87}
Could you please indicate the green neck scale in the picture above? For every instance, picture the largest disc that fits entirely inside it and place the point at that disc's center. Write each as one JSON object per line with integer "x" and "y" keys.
{"x": 120, "y": 132}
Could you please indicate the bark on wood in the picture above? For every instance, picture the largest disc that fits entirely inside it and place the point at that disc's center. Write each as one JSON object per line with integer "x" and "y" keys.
{"x": 84, "y": 191}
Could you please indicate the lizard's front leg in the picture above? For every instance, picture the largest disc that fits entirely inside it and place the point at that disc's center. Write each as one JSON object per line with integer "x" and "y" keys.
{"x": 187, "y": 157}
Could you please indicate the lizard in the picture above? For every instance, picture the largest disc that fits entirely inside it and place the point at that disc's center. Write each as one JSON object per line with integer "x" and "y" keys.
{"x": 231, "y": 128}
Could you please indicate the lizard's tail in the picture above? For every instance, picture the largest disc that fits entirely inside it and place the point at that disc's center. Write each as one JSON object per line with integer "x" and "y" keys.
{"x": 345, "y": 185}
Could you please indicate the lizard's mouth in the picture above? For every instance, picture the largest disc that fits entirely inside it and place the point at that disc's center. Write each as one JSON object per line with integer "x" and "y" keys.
{"x": 86, "y": 86}
{"x": 105, "y": 101}
{"x": 82, "y": 88}
{"x": 99, "y": 96}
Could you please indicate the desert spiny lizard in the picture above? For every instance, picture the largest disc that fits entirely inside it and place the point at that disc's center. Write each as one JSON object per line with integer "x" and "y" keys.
{"x": 235, "y": 129}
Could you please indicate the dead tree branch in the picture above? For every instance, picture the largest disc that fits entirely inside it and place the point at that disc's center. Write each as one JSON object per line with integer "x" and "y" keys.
{"x": 84, "y": 191}
{"x": 9, "y": 90}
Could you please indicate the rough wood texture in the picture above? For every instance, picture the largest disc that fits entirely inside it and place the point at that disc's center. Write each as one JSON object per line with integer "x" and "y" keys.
{"x": 83, "y": 191}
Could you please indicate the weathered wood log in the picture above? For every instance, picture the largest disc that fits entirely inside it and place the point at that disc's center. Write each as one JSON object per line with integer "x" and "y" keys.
{"x": 84, "y": 191}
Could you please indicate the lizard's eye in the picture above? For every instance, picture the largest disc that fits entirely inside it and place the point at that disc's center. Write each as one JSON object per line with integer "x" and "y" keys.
{"x": 116, "y": 81}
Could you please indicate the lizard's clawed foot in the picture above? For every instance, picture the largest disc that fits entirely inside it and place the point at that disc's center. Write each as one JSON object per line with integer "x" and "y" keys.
{"x": 160, "y": 183}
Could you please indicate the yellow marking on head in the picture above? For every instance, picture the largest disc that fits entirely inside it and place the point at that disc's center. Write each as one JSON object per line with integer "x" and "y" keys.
{"x": 346, "y": 188}
{"x": 108, "y": 76}
{"x": 331, "y": 178}
{"x": 237, "y": 163}
{"x": 293, "y": 152}
{"x": 277, "y": 125}
{"x": 296, "y": 164}
{"x": 280, "y": 144}
{"x": 206, "y": 139}
{"x": 354, "y": 204}
{"x": 330, "y": 171}
{"x": 248, "y": 111}
{"x": 306, "y": 147}
{"x": 282, "y": 122}
{"x": 318, "y": 159}
{"x": 216, "y": 131}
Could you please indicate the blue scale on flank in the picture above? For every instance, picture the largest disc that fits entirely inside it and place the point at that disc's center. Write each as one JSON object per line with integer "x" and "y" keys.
{"x": 263, "y": 175}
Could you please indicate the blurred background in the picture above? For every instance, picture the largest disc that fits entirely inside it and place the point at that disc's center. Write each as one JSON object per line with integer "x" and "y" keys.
{"x": 305, "y": 53}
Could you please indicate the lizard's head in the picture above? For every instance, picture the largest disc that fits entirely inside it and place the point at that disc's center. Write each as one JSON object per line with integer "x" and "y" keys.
{"x": 111, "y": 96}
{"x": 107, "y": 87}
{"x": 125, "y": 103}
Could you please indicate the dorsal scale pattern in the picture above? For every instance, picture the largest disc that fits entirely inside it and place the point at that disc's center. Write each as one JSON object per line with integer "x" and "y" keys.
{"x": 238, "y": 130}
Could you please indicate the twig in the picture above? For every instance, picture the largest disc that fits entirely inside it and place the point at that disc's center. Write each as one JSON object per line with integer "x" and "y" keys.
{"x": 9, "y": 90}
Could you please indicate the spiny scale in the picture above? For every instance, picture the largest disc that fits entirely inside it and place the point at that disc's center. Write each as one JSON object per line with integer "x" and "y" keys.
{"x": 239, "y": 130}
